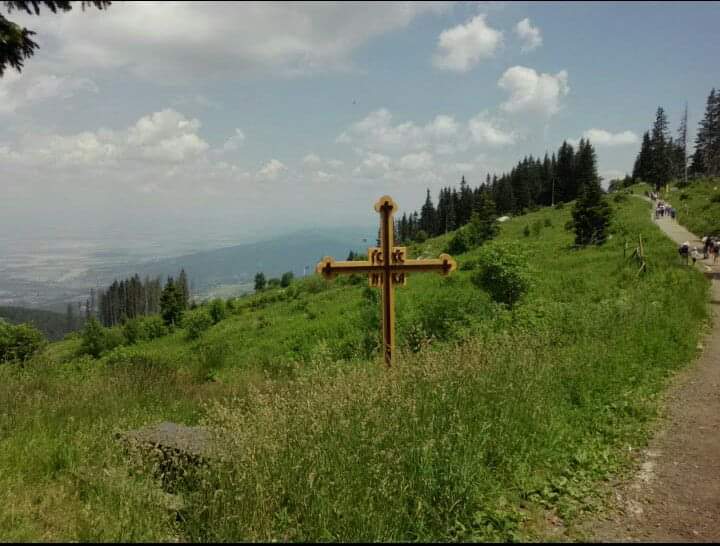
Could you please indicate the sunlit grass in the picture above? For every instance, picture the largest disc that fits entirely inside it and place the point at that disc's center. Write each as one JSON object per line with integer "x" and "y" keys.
{"x": 497, "y": 416}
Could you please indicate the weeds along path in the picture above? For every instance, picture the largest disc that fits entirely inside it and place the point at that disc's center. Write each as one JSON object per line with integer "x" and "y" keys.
{"x": 675, "y": 497}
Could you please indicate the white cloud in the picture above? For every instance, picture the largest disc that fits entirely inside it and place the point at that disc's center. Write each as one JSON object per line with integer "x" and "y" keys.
{"x": 485, "y": 131}
{"x": 462, "y": 47}
{"x": 377, "y": 132}
{"x": 196, "y": 39}
{"x": 235, "y": 141}
{"x": 530, "y": 35}
{"x": 601, "y": 137}
{"x": 311, "y": 159}
{"x": 533, "y": 92}
{"x": 166, "y": 136}
{"x": 443, "y": 136}
{"x": 21, "y": 90}
{"x": 414, "y": 162}
{"x": 272, "y": 169}
{"x": 375, "y": 162}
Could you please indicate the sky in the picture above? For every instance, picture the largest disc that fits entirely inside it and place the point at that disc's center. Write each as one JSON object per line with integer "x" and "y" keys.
{"x": 233, "y": 122}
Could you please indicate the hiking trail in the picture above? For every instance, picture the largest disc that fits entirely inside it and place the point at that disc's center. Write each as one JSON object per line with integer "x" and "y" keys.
{"x": 675, "y": 495}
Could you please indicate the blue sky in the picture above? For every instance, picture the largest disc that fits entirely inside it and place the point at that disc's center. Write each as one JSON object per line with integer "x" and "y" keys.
{"x": 230, "y": 122}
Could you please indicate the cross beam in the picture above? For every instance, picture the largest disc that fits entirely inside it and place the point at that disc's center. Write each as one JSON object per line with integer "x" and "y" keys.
{"x": 386, "y": 267}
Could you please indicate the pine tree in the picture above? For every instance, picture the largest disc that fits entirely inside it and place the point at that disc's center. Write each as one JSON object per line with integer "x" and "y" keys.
{"x": 591, "y": 213}
{"x": 464, "y": 210}
{"x": 702, "y": 137}
{"x": 565, "y": 188}
{"x": 171, "y": 303}
{"x": 681, "y": 158}
{"x": 661, "y": 156}
{"x": 427, "y": 216}
{"x": 182, "y": 283}
{"x": 643, "y": 162}
{"x": 483, "y": 221}
{"x": 260, "y": 282}
{"x": 711, "y": 155}
{"x": 585, "y": 165}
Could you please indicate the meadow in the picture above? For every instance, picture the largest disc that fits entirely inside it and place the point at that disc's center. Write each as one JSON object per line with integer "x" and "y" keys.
{"x": 493, "y": 420}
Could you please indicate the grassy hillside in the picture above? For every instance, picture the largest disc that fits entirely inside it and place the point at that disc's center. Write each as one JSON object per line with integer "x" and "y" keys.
{"x": 492, "y": 418}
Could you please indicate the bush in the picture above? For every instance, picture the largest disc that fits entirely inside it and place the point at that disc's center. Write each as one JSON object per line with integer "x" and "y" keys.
{"x": 131, "y": 331}
{"x": 421, "y": 236}
{"x": 152, "y": 327}
{"x": 503, "y": 273}
{"x": 526, "y": 231}
{"x": 273, "y": 283}
{"x": 286, "y": 279}
{"x": 217, "y": 310}
{"x": 459, "y": 243}
{"x": 19, "y": 342}
{"x": 96, "y": 339}
{"x": 196, "y": 322}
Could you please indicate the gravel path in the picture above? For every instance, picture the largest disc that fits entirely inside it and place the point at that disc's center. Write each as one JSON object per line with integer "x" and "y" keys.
{"x": 675, "y": 497}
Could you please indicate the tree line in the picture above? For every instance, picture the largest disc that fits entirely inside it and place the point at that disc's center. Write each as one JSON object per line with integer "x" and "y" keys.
{"x": 532, "y": 183}
{"x": 132, "y": 297}
{"x": 663, "y": 158}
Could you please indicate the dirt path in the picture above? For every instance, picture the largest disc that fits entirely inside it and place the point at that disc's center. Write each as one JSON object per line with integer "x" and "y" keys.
{"x": 676, "y": 495}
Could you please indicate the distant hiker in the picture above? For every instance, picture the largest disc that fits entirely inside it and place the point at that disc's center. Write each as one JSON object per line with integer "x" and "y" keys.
{"x": 706, "y": 246}
{"x": 684, "y": 251}
{"x": 716, "y": 248}
{"x": 672, "y": 213}
{"x": 695, "y": 254}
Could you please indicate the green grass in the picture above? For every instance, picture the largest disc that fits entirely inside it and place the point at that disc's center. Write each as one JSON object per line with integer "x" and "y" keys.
{"x": 697, "y": 204}
{"x": 490, "y": 418}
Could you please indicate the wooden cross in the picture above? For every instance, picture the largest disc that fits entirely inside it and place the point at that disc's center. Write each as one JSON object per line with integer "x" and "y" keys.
{"x": 386, "y": 267}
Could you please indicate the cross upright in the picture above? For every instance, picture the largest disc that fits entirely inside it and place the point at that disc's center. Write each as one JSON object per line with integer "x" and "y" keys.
{"x": 386, "y": 267}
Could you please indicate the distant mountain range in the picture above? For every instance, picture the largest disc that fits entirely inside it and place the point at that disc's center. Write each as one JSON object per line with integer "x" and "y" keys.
{"x": 298, "y": 252}
{"x": 223, "y": 271}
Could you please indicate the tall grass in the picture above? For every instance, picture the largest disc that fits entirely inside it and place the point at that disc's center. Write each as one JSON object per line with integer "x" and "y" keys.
{"x": 490, "y": 417}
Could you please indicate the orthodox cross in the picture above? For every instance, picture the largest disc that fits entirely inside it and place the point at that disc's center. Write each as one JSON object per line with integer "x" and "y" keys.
{"x": 386, "y": 267}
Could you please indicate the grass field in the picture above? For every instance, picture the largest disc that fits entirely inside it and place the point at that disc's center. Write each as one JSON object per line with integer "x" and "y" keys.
{"x": 492, "y": 418}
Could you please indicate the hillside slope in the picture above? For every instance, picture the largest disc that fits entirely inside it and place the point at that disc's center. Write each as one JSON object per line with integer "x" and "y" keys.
{"x": 493, "y": 420}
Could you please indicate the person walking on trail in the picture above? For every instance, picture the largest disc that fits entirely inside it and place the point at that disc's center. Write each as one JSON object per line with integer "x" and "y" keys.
{"x": 695, "y": 255}
{"x": 684, "y": 251}
{"x": 706, "y": 246}
{"x": 672, "y": 212}
{"x": 716, "y": 249}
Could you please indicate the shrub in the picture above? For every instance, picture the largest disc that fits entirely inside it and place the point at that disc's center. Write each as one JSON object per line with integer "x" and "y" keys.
{"x": 19, "y": 342}
{"x": 315, "y": 284}
{"x": 286, "y": 279}
{"x": 152, "y": 327}
{"x": 96, "y": 339}
{"x": 526, "y": 231}
{"x": 217, "y": 310}
{"x": 503, "y": 273}
{"x": 196, "y": 322}
{"x": 548, "y": 222}
{"x": 421, "y": 236}
{"x": 132, "y": 331}
{"x": 459, "y": 243}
